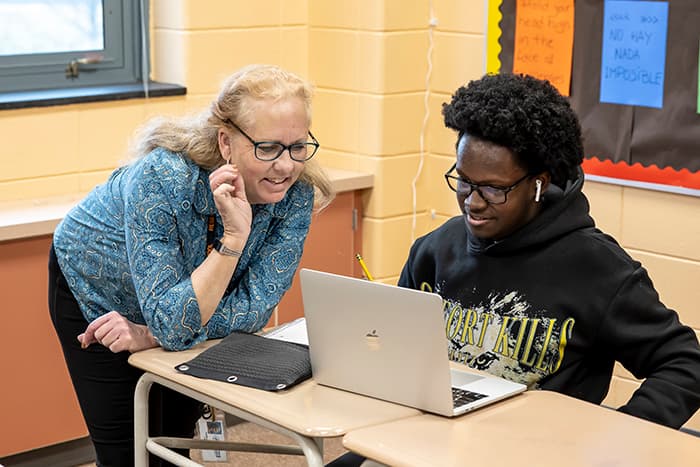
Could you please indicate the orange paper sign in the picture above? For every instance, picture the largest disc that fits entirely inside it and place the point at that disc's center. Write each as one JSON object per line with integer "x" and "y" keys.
{"x": 544, "y": 40}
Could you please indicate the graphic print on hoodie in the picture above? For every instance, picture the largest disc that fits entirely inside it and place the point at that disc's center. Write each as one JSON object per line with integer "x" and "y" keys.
{"x": 502, "y": 336}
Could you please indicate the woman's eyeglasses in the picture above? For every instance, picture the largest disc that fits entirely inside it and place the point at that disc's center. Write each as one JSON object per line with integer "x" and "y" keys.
{"x": 268, "y": 151}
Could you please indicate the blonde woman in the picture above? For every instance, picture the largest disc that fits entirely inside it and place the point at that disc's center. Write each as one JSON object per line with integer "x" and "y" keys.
{"x": 198, "y": 236}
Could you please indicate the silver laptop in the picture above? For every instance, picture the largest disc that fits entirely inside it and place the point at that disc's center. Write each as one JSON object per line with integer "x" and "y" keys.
{"x": 389, "y": 342}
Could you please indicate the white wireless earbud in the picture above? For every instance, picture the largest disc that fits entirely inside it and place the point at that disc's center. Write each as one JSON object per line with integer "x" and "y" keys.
{"x": 538, "y": 193}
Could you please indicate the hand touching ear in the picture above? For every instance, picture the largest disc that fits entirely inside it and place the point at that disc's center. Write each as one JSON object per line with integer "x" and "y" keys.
{"x": 228, "y": 188}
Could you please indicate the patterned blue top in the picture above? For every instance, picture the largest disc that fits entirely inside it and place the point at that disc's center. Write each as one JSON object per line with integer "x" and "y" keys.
{"x": 131, "y": 246}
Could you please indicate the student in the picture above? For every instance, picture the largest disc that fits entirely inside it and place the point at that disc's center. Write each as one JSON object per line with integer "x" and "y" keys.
{"x": 533, "y": 291}
{"x": 197, "y": 237}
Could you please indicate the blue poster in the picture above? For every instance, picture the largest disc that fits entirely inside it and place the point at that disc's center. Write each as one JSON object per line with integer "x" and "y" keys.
{"x": 634, "y": 53}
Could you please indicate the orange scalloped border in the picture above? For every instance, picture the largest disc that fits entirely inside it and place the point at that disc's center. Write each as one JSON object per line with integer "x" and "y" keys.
{"x": 651, "y": 174}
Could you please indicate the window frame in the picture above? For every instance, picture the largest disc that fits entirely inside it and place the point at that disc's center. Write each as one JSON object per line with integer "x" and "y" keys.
{"x": 123, "y": 64}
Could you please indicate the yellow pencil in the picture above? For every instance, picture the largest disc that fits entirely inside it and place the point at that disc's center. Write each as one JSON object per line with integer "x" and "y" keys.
{"x": 364, "y": 267}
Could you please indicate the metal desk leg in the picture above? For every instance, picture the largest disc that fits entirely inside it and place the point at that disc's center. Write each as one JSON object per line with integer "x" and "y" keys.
{"x": 143, "y": 387}
{"x": 312, "y": 448}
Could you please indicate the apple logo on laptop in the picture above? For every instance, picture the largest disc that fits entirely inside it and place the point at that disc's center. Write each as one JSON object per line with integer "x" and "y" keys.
{"x": 372, "y": 339}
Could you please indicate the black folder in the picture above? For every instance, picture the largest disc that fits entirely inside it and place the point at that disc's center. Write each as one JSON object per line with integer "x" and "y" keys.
{"x": 252, "y": 360}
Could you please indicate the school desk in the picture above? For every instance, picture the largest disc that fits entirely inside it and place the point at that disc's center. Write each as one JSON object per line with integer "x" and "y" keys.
{"x": 538, "y": 428}
{"x": 306, "y": 413}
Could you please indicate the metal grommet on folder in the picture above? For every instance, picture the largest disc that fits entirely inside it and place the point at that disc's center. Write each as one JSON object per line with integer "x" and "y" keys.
{"x": 232, "y": 378}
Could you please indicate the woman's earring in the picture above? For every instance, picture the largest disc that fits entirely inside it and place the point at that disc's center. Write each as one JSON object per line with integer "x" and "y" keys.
{"x": 538, "y": 193}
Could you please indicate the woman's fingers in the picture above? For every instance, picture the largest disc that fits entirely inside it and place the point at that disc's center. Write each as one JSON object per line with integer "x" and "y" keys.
{"x": 239, "y": 185}
{"x": 226, "y": 182}
{"x": 105, "y": 330}
{"x": 83, "y": 341}
{"x": 110, "y": 334}
{"x": 117, "y": 333}
{"x": 89, "y": 334}
{"x": 119, "y": 345}
{"x": 230, "y": 198}
{"x": 225, "y": 174}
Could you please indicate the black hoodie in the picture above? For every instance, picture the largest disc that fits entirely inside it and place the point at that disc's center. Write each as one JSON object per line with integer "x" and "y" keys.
{"x": 554, "y": 305}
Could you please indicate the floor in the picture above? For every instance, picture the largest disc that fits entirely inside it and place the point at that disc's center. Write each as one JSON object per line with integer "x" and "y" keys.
{"x": 250, "y": 433}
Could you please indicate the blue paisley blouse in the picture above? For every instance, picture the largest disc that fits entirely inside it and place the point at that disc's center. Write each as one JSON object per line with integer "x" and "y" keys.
{"x": 131, "y": 246}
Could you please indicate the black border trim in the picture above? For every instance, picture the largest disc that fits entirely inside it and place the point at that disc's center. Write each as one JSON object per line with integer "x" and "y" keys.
{"x": 50, "y": 97}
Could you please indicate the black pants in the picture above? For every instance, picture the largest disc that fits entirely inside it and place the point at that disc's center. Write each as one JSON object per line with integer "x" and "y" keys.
{"x": 349, "y": 459}
{"x": 104, "y": 383}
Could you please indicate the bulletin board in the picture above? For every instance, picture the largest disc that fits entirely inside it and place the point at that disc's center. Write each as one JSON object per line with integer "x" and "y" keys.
{"x": 633, "y": 79}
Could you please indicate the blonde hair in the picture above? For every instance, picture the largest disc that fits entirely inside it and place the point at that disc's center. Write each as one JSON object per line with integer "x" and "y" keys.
{"x": 197, "y": 136}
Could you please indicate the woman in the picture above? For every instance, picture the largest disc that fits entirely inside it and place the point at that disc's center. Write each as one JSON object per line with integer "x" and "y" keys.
{"x": 199, "y": 236}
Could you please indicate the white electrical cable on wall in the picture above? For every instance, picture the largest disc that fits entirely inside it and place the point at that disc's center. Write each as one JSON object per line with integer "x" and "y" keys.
{"x": 426, "y": 105}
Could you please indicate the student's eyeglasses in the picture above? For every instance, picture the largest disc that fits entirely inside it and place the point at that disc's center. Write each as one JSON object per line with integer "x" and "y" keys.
{"x": 268, "y": 151}
{"x": 489, "y": 193}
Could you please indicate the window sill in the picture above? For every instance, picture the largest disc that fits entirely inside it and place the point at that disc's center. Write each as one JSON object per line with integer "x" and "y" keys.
{"x": 49, "y": 97}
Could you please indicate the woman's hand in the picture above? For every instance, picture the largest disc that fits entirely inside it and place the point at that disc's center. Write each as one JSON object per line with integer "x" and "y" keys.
{"x": 118, "y": 334}
{"x": 229, "y": 196}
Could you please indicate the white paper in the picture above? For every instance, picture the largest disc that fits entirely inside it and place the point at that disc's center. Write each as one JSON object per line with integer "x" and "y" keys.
{"x": 294, "y": 331}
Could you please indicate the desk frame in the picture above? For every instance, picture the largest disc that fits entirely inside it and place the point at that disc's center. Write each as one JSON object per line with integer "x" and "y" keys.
{"x": 310, "y": 447}
{"x": 306, "y": 413}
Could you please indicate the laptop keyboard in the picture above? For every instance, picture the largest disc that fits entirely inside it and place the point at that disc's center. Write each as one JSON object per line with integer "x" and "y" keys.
{"x": 462, "y": 397}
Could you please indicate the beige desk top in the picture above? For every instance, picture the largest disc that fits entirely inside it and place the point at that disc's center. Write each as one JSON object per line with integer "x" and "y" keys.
{"x": 537, "y": 428}
{"x": 34, "y": 217}
{"x": 308, "y": 409}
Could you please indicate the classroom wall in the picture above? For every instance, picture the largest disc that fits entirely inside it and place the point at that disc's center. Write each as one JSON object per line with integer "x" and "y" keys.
{"x": 369, "y": 61}
{"x": 372, "y": 103}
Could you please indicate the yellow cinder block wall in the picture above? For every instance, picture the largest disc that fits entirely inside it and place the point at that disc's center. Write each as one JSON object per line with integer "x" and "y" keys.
{"x": 369, "y": 61}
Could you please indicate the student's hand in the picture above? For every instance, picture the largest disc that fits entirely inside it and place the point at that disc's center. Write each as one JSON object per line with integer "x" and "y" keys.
{"x": 118, "y": 334}
{"x": 228, "y": 188}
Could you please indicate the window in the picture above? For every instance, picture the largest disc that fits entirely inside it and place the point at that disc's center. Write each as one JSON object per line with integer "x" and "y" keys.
{"x": 65, "y": 44}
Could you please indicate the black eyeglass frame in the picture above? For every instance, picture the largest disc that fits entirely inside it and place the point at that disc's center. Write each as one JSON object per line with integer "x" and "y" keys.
{"x": 475, "y": 186}
{"x": 285, "y": 147}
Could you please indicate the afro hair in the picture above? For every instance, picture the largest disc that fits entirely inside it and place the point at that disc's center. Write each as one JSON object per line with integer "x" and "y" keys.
{"x": 526, "y": 115}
